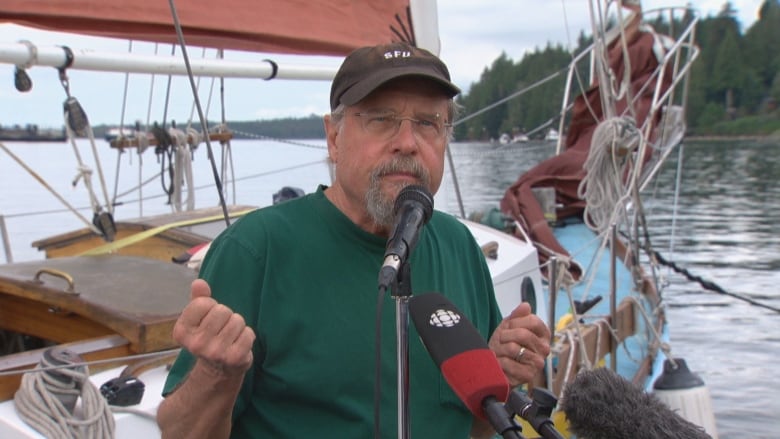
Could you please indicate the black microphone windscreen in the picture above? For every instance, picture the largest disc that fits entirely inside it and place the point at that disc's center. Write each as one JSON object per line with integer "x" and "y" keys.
{"x": 417, "y": 194}
{"x": 600, "y": 404}
{"x": 469, "y": 366}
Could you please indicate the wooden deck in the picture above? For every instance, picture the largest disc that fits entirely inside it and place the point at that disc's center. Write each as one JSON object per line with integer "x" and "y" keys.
{"x": 73, "y": 299}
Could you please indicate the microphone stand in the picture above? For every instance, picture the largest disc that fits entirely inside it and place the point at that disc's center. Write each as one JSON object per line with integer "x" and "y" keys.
{"x": 536, "y": 411}
{"x": 402, "y": 292}
{"x": 501, "y": 419}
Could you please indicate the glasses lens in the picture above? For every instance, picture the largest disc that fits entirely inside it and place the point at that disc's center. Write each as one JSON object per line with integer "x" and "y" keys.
{"x": 429, "y": 127}
{"x": 383, "y": 125}
{"x": 386, "y": 125}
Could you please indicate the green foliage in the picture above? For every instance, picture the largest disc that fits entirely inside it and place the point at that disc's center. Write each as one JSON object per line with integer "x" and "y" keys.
{"x": 734, "y": 86}
{"x": 505, "y": 78}
{"x": 765, "y": 124}
{"x": 709, "y": 116}
{"x": 762, "y": 41}
{"x": 774, "y": 91}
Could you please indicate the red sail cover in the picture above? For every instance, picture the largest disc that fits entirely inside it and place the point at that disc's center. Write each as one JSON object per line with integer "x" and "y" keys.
{"x": 564, "y": 172}
{"x": 332, "y": 27}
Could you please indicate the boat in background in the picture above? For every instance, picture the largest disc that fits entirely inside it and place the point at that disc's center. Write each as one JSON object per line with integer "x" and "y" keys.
{"x": 116, "y": 133}
{"x": 520, "y": 137}
{"x": 552, "y": 135}
{"x": 105, "y": 293}
{"x": 516, "y": 137}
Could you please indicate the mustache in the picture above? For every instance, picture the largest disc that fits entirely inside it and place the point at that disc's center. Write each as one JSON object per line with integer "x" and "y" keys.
{"x": 403, "y": 164}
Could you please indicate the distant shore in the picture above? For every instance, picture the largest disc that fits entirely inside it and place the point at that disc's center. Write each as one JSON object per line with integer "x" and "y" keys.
{"x": 720, "y": 138}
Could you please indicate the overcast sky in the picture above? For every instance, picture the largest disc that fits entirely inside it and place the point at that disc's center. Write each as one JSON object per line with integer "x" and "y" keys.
{"x": 473, "y": 34}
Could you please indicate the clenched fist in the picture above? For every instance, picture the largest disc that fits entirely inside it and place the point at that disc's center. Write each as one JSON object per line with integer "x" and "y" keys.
{"x": 213, "y": 333}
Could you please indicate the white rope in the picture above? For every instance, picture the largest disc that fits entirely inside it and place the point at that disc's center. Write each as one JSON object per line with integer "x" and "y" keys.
{"x": 602, "y": 188}
{"x": 182, "y": 169}
{"x": 184, "y": 156}
{"x": 37, "y": 403}
{"x": 651, "y": 329}
{"x": 578, "y": 327}
{"x": 226, "y": 165}
{"x": 84, "y": 172}
{"x": 573, "y": 352}
{"x": 98, "y": 166}
{"x": 194, "y": 137}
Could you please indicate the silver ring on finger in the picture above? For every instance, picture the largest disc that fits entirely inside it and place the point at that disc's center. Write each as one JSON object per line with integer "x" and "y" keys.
{"x": 520, "y": 354}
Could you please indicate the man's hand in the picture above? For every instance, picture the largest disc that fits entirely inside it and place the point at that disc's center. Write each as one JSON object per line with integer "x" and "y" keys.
{"x": 214, "y": 334}
{"x": 521, "y": 343}
{"x": 200, "y": 407}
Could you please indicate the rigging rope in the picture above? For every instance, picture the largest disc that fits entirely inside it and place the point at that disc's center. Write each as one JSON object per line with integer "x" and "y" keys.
{"x": 48, "y": 187}
{"x": 510, "y": 97}
{"x": 201, "y": 117}
{"x": 708, "y": 285}
{"x": 280, "y": 140}
{"x": 76, "y": 364}
{"x": 76, "y": 122}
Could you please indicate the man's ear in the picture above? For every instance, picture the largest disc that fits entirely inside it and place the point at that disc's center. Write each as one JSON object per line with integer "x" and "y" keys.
{"x": 331, "y": 135}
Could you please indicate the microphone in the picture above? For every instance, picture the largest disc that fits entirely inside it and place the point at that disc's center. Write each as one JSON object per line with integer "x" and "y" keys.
{"x": 413, "y": 209}
{"x": 459, "y": 351}
{"x": 601, "y": 404}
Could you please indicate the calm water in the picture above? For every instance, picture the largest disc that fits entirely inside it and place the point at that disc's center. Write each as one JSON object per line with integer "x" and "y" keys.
{"x": 727, "y": 232}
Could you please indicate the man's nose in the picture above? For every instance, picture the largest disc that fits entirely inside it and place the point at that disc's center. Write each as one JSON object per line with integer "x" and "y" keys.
{"x": 406, "y": 136}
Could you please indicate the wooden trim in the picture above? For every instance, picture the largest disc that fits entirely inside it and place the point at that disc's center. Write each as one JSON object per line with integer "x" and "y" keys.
{"x": 63, "y": 318}
{"x": 625, "y": 326}
{"x": 46, "y": 321}
{"x": 132, "y": 142}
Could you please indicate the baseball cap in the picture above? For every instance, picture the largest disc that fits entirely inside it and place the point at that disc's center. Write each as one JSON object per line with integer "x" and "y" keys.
{"x": 367, "y": 68}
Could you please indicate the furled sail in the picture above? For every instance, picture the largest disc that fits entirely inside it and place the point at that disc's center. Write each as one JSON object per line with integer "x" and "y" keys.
{"x": 332, "y": 27}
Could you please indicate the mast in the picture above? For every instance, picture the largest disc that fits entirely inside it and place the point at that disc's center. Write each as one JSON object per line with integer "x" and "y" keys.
{"x": 123, "y": 62}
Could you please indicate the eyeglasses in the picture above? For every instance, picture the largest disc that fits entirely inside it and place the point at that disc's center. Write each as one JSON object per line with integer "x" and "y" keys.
{"x": 385, "y": 125}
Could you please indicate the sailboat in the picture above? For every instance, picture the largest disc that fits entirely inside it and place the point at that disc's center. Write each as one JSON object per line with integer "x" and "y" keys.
{"x": 552, "y": 135}
{"x": 110, "y": 294}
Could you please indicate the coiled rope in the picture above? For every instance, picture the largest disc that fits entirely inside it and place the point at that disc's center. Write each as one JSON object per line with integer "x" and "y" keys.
{"x": 603, "y": 189}
{"x": 38, "y": 405}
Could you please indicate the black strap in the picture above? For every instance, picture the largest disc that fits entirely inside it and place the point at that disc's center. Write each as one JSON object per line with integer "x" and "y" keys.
{"x": 274, "y": 69}
{"x": 68, "y": 59}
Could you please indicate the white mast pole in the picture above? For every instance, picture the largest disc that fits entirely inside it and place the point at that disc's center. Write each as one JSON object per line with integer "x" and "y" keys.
{"x": 56, "y": 56}
{"x": 425, "y": 22}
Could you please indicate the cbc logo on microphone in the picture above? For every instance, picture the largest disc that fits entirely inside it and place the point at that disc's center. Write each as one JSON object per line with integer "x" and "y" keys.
{"x": 444, "y": 318}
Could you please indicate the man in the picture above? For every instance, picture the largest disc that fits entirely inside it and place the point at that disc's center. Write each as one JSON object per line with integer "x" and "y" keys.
{"x": 296, "y": 358}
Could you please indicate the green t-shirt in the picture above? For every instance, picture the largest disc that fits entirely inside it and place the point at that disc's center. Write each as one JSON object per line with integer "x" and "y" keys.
{"x": 305, "y": 278}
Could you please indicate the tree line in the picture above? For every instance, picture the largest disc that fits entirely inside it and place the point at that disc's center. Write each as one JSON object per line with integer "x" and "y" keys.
{"x": 734, "y": 87}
